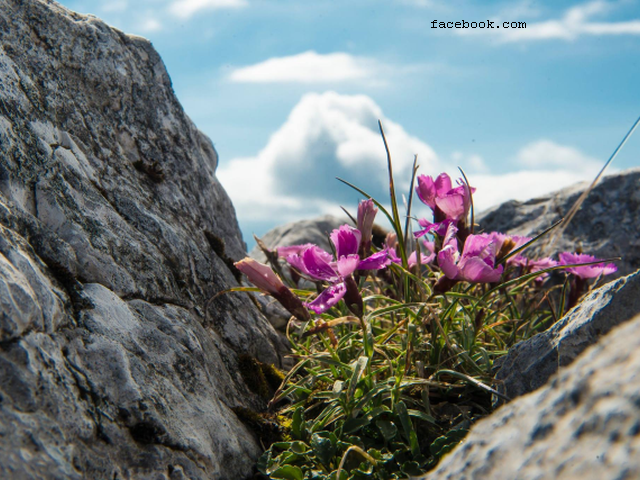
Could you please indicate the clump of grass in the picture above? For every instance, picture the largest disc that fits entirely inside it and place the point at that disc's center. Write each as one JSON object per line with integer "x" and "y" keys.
{"x": 395, "y": 347}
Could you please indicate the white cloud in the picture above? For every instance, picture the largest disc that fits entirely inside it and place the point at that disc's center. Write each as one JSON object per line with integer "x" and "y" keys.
{"x": 545, "y": 153}
{"x": 308, "y": 67}
{"x": 187, "y": 8}
{"x": 546, "y": 167}
{"x": 469, "y": 163}
{"x": 576, "y": 22}
{"x": 150, "y": 25}
{"x": 326, "y": 135}
{"x": 329, "y": 135}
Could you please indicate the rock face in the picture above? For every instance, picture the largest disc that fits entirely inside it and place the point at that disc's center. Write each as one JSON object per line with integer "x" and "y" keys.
{"x": 114, "y": 235}
{"x": 585, "y": 423}
{"x": 531, "y": 363}
{"x": 607, "y": 225}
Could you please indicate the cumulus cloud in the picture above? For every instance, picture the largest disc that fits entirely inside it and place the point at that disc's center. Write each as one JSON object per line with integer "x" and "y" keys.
{"x": 544, "y": 166}
{"x": 307, "y": 67}
{"x": 576, "y": 22}
{"x": 187, "y": 8}
{"x": 331, "y": 135}
{"x": 545, "y": 153}
{"x": 326, "y": 135}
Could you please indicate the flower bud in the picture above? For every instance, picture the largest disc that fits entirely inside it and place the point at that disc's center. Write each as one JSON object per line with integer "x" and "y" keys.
{"x": 366, "y": 214}
{"x": 266, "y": 280}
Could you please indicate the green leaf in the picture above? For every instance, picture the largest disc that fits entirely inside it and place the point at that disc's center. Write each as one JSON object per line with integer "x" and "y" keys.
{"x": 411, "y": 468}
{"x": 422, "y": 416}
{"x": 264, "y": 462}
{"x": 299, "y": 448}
{"x": 407, "y": 426}
{"x": 298, "y": 425}
{"x": 324, "y": 445}
{"x": 387, "y": 428}
{"x": 354, "y": 424}
{"x": 359, "y": 368}
{"x": 288, "y": 472}
{"x": 446, "y": 443}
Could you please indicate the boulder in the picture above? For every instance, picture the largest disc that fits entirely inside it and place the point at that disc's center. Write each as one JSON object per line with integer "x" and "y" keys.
{"x": 530, "y": 363}
{"x": 584, "y": 423}
{"x": 115, "y": 235}
{"x": 607, "y": 225}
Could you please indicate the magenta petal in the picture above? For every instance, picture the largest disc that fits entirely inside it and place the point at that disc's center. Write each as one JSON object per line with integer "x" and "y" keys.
{"x": 426, "y": 190}
{"x": 296, "y": 262}
{"x": 450, "y": 237}
{"x": 346, "y": 239}
{"x": 452, "y": 205}
{"x": 347, "y": 265}
{"x": 412, "y": 261}
{"x": 376, "y": 261}
{"x": 284, "y": 252}
{"x": 393, "y": 256}
{"x": 442, "y": 184}
{"x": 447, "y": 261}
{"x": 328, "y": 298}
{"x": 587, "y": 271}
{"x": 476, "y": 270}
{"x": 316, "y": 263}
{"x": 479, "y": 246}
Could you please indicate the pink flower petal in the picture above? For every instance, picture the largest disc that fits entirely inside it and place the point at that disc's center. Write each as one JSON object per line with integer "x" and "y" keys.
{"x": 477, "y": 270}
{"x": 346, "y": 239}
{"x": 328, "y": 298}
{"x": 587, "y": 271}
{"x": 347, "y": 265}
{"x": 376, "y": 261}
{"x": 447, "y": 261}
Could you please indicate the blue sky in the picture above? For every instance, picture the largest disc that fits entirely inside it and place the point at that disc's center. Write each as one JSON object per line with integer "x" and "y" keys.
{"x": 290, "y": 93}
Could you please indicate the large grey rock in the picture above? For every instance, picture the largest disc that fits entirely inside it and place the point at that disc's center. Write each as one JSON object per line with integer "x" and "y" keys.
{"x": 530, "y": 364}
{"x": 114, "y": 235}
{"x": 607, "y": 225}
{"x": 585, "y": 423}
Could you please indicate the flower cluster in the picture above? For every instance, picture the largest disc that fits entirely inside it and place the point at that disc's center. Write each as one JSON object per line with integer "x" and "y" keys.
{"x": 456, "y": 253}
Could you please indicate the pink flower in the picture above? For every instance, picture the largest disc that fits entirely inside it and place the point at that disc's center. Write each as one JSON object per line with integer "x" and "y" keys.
{"x": 316, "y": 264}
{"x": 475, "y": 264}
{"x": 453, "y": 203}
{"x": 587, "y": 271}
{"x": 392, "y": 242}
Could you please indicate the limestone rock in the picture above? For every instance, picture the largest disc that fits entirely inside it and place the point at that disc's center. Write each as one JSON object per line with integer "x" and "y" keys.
{"x": 530, "y": 364}
{"x": 585, "y": 423}
{"x": 114, "y": 235}
{"x": 607, "y": 225}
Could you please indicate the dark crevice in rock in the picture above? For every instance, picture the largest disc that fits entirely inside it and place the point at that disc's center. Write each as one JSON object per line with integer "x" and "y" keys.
{"x": 88, "y": 394}
{"x": 218, "y": 247}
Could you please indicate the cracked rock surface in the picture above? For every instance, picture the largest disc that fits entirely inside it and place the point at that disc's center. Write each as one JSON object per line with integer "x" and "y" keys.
{"x": 114, "y": 235}
{"x": 584, "y": 423}
{"x": 529, "y": 364}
